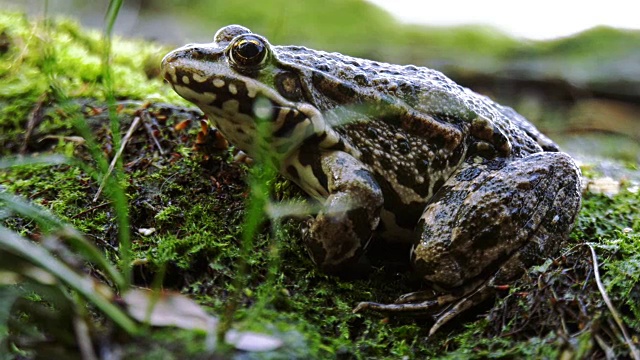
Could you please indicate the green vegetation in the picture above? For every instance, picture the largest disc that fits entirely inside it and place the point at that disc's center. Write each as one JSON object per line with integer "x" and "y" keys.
{"x": 190, "y": 192}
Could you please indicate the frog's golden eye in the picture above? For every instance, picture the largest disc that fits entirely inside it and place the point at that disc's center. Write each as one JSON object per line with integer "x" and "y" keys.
{"x": 248, "y": 51}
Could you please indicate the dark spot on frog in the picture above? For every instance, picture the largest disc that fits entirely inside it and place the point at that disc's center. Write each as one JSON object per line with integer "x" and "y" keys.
{"x": 438, "y": 142}
{"x": 438, "y": 163}
{"x": 404, "y": 147}
{"x": 447, "y": 195}
{"x": 456, "y": 156}
{"x": 422, "y": 165}
{"x": 499, "y": 139}
{"x": 488, "y": 238}
{"x": 361, "y": 79}
{"x": 423, "y": 189}
{"x": 526, "y": 185}
{"x": 406, "y": 215}
{"x": 367, "y": 156}
{"x": 484, "y": 149}
{"x": 292, "y": 119}
{"x": 495, "y": 164}
{"x": 293, "y": 173}
{"x": 354, "y": 63}
{"x": 438, "y": 184}
{"x": 339, "y": 146}
{"x": 309, "y": 156}
{"x": 386, "y": 144}
{"x": 389, "y": 163}
{"x": 339, "y": 91}
{"x": 406, "y": 177}
{"x": 358, "y": 218}
{"x": 288, "y": 85}
{"x": 468, "y": 174}
{"x": 372, "y": 132}
{"x": 223, "y": 95}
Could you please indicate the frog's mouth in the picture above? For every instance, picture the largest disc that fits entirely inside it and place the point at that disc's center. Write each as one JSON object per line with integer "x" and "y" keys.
{"x": 236, "y": 104}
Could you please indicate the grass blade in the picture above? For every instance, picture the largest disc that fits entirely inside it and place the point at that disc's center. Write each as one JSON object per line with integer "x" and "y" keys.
{"x": 83, "y": 285}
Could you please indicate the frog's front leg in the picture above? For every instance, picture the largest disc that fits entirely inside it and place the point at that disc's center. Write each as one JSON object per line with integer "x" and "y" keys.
{"x": 486, "y": 225}
{"x": 351, "y": 199}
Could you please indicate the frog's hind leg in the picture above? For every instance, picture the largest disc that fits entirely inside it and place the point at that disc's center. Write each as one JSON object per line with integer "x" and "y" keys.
{"x": 486, "y": 226}
{"x": 486, "y": 213}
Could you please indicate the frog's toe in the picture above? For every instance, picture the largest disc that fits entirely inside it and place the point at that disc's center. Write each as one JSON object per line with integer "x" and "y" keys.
{"x": 463, "y": 304}
{"x": 428, "y": 306}
{"x": 417, "y": 296}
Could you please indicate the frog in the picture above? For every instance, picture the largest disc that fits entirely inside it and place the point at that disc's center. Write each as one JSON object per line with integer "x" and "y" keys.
{"x": 395, "y": 152}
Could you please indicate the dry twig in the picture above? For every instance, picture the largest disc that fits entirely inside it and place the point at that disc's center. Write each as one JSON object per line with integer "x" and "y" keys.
{"x": 125, "y": 140}
{"x": 614, "y": 312}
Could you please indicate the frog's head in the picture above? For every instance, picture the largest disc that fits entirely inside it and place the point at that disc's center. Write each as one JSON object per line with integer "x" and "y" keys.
{"x": 238, "y": 82}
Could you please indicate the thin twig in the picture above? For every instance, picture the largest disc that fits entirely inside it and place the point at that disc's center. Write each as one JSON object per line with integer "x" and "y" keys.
{"x": 614, "y": 312}
{"x": 147, "y": 119}
{"x": 90, "y": 209}
{"x": 125, "y": 140}
{"x": 35, "y": 118}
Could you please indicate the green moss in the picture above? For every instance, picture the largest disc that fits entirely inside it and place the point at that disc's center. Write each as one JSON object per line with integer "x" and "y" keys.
{"x": 58, "y": 59}
{"x": 59, "y": 53}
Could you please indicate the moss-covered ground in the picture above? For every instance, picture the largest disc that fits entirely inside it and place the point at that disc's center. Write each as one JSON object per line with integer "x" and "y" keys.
{"x": 186, "y": 198}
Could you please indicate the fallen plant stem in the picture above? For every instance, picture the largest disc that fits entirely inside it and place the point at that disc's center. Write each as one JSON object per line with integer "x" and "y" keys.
{"x": 147, "y": 119}
{"x": 93, "y": 208}
{"x": 132, "y": 128}
{"x": 614, "y": 312}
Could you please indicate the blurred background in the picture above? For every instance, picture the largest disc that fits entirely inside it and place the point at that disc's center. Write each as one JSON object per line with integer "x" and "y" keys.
{"x": 571, "y": 67}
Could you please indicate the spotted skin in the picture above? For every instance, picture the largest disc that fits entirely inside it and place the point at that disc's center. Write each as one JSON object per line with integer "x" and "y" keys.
{"x": 397, "y": 152}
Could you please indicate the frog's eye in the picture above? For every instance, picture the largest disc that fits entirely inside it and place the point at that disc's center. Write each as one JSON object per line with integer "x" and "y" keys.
{"x": 248, "y": 51}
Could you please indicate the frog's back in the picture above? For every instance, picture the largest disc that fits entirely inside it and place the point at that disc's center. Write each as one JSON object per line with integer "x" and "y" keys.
{"x": 349, "y": 81}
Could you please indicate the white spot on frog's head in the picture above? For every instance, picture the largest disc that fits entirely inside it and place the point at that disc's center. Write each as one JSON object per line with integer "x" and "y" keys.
{"x": 199, "y": 78}
{"x": 252, "y": 90}
{"x": 185, "y": 79}
{"x": 233, "y": 89}
{"x": 217, "y": 82}
{"x": 194, "y": 96}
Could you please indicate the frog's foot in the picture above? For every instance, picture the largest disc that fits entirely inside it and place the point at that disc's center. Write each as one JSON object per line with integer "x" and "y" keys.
{"x": 427, "y": 306}
{"x": 443, "y": 307}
